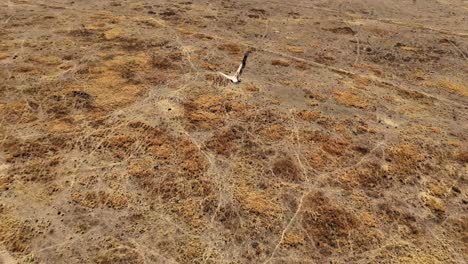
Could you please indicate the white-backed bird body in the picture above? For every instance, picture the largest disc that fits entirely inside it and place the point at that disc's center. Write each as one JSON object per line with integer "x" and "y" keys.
{"x": 236, "y": 77}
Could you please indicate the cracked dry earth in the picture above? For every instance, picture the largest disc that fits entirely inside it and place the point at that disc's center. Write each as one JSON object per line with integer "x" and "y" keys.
{"x": 346, "y": 142}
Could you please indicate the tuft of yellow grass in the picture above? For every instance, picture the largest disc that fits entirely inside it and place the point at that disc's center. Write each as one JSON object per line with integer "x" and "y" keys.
{"x": 115, "y": 33}
{"x": 349, "y": 99}
{"x": 294, "y": 239}
{"x": 456, "y": 87}
{"x": 257, "y": 201}
{"x": 186, "y": 31}
{"x": 280, "y": 62}
{"x": 408, "y": 48}
{"x": 47, "y": 60}
{"x": 295, "y": 49}
{"x": 60, "y": 126}
{"x": 150, "y": 21}
{"x": 432, "y": 202}
{"x": 4, "y": 55}
{"x": 251, "y": 87}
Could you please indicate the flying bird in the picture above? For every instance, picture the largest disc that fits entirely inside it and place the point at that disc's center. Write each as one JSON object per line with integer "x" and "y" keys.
{"x": 236, "y": 77}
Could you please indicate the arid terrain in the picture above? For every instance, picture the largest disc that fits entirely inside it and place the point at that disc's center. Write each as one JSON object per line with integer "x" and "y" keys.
{"x": 345, "y": 142}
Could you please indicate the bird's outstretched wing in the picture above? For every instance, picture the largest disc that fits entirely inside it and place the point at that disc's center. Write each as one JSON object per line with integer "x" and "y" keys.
{"x": 242, "y": 65}
{"x": 232, "y": 78}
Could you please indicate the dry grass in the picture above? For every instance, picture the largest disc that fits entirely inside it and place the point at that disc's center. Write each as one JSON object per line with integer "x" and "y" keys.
{"x": 349, "y": 98}
{"x": 282, "y": 63}
{"x": 294, "y": 49}
{"x": 230, "y": 48}
{"x": 120, "y": 145}
{"x": 16, "y": 234}
{"x": 452, "y": 86}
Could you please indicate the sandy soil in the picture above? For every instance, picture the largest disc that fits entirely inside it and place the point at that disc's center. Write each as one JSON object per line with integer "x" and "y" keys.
{"x": 346, "y": 141}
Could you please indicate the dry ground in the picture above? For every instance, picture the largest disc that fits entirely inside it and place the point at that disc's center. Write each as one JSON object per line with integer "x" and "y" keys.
{"x": 346, "y": 142}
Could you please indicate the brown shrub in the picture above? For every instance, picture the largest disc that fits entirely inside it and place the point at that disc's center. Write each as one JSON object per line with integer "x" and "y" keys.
{"x": 260, "y": 202}
{"x": 342, "y": 30}
{"x": 251, "y": 88}
{"x": 150, "y": 131}
{"x": 178, "y": 189}
{"x": 162, "y": 151}
{"x": 191, "y": 160}
{"x": 206, "y": 111}
{"x": 286, "y": 169}
{"x": 119, "y": 145}
{"x": 5, "y": 182}
{"x": 18, "y": 112}
{"x": 209, "y": 102}
{"x": 258, "y": 11}
{"x": 140, "y": 170}
{"x": 281, "y": 63}
{"x": 209, "y": 66}
{"x": 314, "y": 95}
{"x": 225, "y": 142}
{"x": 350, "y": 99}
{"x": 202, "y": 36}
{"x": 170, "y": 14}
{"x": 38, "y": 170}
{"x": 320, "y": 159}
{"x": 372, "y": 67}
{"x": 228, "y": 215}
{"x": 204, "y": 120}
{"x": 434, "y": 203}
{"x": 80, "y": 100}
{"x": 329, "y": 225}
{"x": 161, "y": 62}
{"x": 157, "y": 78}
{"x": 309, "y": 115}
{"x": 274, "y": 132}
{"x": 452, "y": 86}
{"x": 462, "y": 156}
{"x": 295, "y": 49}
{"x": 115, "y": 33}
{"x": 15, "y": 235}
{"x": 93, "y": 199}
{"x": 190, "y": 210}
{"x": 144, "y": 175}
{"x": 335, "y": 146}
{"x": 301, "y": 66}
{"x": 17, "y": 150}
{"x": 369, "y": 177}
{"x": 22, "y": 68}
{"x": 110, "y": 251}
{"x": 230, "y": 48}
{"x": 414, "y": 95}
{"x": 399, "y": 213}
{"x": 404, "y": 159}
{"x": 294, "y": 239}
